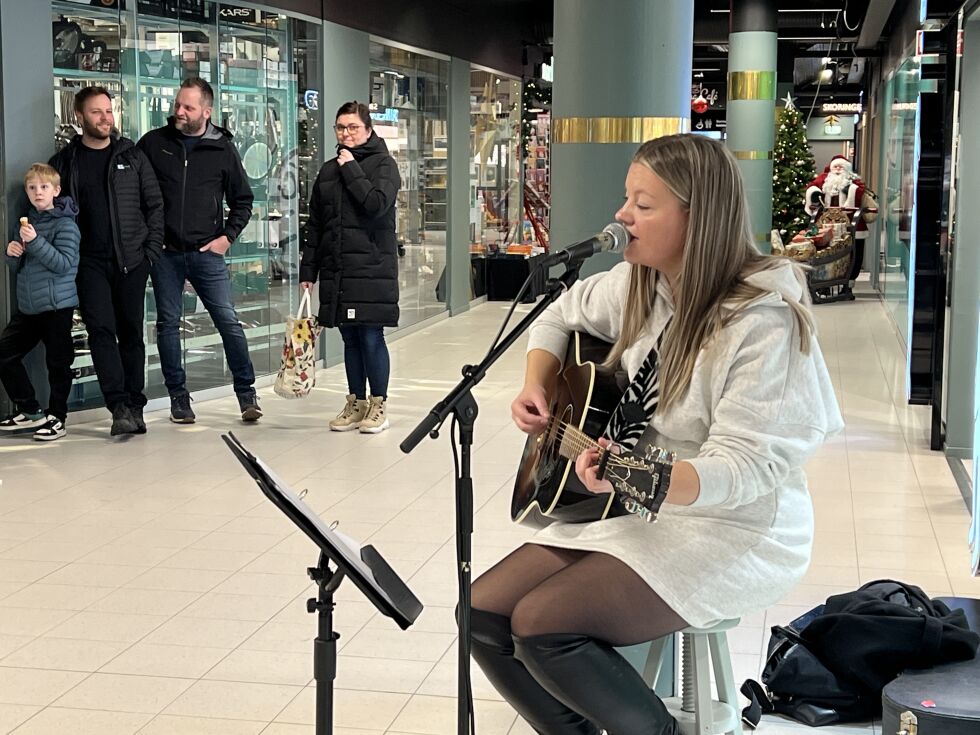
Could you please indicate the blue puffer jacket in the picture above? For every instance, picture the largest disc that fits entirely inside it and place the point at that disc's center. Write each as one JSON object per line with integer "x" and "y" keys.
{"x": 46, "y": 271}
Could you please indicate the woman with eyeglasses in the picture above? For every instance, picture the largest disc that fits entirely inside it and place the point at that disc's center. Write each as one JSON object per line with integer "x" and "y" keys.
{"x": 351, "y": 247}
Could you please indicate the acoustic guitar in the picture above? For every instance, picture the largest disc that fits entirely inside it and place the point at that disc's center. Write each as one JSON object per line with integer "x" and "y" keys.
{"x": 547, "y": 488}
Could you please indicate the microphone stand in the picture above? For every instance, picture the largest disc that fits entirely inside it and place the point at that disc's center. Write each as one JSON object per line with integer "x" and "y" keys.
{"x": 462, "y": 405}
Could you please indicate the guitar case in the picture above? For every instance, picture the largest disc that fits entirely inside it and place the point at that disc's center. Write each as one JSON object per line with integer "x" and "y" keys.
{"x": 944, "y": 700}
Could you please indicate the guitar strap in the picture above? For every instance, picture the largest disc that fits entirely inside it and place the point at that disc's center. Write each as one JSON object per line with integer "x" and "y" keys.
{"x": 635, "y": 409}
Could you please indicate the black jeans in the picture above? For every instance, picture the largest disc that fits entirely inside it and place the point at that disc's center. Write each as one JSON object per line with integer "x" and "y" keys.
{"x": 20, "y": 336}
{"x": 112, "y": 306}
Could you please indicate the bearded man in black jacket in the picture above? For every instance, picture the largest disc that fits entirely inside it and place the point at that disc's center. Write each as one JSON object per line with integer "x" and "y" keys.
{"x": 199, "y": 168}
{"x": 121, "y": 223}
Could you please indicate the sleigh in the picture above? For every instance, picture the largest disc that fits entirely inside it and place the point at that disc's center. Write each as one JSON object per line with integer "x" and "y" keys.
{"x": 831, "y": 263}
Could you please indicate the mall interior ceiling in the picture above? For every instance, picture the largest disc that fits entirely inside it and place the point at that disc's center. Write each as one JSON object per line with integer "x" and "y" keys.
{"x": 824, "y": 45}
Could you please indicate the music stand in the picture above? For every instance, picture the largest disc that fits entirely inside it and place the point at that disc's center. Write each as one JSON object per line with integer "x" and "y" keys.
{"x": 364, "y": 566}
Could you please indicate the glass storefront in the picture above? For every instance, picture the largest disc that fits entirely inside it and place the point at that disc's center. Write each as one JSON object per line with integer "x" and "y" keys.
{"x": 265, "y": 70}
{"x": 899, "y": 166}
{"x": 495, "y": 169}
{"x": 409, "y": 107}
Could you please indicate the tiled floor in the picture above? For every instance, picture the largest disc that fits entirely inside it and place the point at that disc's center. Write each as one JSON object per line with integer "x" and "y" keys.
{"x": 147, "y": 586}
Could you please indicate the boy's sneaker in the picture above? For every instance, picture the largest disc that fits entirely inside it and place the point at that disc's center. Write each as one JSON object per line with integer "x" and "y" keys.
{"x": 23, "y": 422}
{"x": 122, "y": 421}
{"x": 249, "y": 406}
{"x": 350, "y": 418}
{"x": 180, "y": 409}
{"x": 53, "y": 428}
{"x": 138, "y": 418}
{"x": 376, "y": 419}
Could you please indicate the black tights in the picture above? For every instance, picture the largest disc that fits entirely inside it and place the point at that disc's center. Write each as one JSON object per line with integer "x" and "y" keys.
{"x": 545, "y": 621}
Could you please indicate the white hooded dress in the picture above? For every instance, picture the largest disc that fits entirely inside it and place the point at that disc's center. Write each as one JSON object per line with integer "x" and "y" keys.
{"x": 756, "y": 409}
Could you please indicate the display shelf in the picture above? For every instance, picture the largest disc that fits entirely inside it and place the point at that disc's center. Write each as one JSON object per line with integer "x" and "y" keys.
{"x": 95, "y": 12}
{"x": 82, "y": 74}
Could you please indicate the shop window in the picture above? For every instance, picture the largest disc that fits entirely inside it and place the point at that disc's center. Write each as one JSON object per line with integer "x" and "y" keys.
{"x": 495, "y": 175}
{"x": 409, "y": 106}
{"x": 265, "y": 71}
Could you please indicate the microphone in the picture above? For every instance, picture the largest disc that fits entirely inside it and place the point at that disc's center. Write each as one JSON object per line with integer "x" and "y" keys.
{"x": 612, "y": 239}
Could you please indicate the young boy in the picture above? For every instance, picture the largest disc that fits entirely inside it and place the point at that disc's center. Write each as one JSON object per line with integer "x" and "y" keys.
{"x": 45, "y": 259}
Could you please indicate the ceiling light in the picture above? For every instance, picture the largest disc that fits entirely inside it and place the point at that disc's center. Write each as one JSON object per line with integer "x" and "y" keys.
{"x": 795, "y": 10}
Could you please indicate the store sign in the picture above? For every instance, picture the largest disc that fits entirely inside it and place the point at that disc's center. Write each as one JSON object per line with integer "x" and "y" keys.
{"x": 240, "y": 15}
{"x": 831, "y": 125}
{"x": 311, "y": 99}
{"x": 712, "y": 95}
{"x": 389, "y": 115}
{"x": 709, "y": 120}
{"x": 829, "y": 108}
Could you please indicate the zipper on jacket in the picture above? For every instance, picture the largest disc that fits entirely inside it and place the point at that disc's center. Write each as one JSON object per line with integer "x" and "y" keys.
{"x": 183, "y": 196}
{"x": 114, "y": 214}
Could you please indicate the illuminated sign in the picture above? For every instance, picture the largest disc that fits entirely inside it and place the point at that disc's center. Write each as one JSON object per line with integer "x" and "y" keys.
{"x": 311, "y": 99}
{"x": 832, "y": 107}
{"x": 389, "y": 115}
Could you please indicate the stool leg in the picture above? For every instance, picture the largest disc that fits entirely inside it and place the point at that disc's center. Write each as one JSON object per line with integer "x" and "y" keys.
{"x": 703, "y": 710}
{"x": 724, "y": 678}
{"x": 655, "y": 661}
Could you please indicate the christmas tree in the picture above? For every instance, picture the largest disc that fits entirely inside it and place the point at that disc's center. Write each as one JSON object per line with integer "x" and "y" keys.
{"x": 792, "y": 170}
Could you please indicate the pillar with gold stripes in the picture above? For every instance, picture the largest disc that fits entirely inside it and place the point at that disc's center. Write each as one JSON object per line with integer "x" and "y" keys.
{"x": 751, "y": 105}
{"x": 622, "y": 76}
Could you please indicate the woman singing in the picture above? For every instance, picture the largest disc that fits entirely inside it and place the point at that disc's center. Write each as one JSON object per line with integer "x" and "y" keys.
{"x": 719, "y": 345}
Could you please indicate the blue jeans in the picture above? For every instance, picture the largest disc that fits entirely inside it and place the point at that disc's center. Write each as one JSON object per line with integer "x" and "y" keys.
{"x": 366, "y": 360}
{"x": 208, "y": 274}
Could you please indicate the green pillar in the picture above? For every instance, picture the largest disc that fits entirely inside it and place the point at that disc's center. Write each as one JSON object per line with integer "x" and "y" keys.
{"x": 458, "y": 196}
{"x": 751, "y": 106}
{"x": 26, "y": 135}
{"x": 346, "y": 77}
{"x": 622, "y": 76}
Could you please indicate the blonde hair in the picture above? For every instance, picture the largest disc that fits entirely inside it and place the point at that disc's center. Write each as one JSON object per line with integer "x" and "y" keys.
{"x": 719, "y": 254}
{"x": 44, "y": 173}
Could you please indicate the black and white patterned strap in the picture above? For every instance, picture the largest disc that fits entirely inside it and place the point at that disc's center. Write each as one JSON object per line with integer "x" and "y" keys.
{"x": 635, "y": 409}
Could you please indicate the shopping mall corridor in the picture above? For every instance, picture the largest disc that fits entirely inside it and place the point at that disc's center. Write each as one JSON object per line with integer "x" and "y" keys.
{"x": 148, "y": 586}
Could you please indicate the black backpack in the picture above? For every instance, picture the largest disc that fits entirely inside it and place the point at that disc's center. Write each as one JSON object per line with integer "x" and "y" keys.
{"x": 830, "y": 665}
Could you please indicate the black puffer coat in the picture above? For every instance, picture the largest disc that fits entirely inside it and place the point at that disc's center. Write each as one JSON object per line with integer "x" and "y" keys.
{"x": 350, "y": 241}
{"x": 135, "y": 203}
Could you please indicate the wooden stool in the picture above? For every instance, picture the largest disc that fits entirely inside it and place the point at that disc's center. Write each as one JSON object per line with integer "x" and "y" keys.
{"x": 696, "y": 712}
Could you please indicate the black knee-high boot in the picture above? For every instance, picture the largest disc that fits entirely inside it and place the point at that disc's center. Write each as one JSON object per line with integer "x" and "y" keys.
{"x": 493, "y": 649}
{"x": 592, "y": 678}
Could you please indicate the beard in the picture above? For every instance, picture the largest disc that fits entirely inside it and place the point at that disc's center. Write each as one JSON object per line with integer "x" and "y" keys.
{"x": 834, "y": 184}
{"x": 191, "y": 127}
{"x": 94, "y": 131}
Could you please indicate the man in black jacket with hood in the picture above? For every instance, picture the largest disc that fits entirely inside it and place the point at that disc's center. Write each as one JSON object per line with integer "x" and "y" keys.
{"x": 121, "y": 222}
{"x": 198, "y": 169}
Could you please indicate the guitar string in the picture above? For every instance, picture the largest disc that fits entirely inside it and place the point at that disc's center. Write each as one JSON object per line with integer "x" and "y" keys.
{"x": 574, "y": 438}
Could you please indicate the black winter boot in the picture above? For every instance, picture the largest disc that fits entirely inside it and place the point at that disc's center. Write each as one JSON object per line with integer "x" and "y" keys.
{"x": 493, "y": 650}
{"x": 591, "y": 677}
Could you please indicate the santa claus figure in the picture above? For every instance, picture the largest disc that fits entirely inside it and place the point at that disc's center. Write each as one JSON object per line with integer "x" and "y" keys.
{"x": 837, "y": 186}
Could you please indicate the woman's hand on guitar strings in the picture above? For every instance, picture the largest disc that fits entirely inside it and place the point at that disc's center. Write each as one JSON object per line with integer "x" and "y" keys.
{"x": 530, "y": 409}
{"x": 587, "y": 467}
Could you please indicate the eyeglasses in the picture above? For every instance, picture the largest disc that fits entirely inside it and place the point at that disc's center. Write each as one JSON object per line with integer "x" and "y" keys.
{"x": 350, "y": 129}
